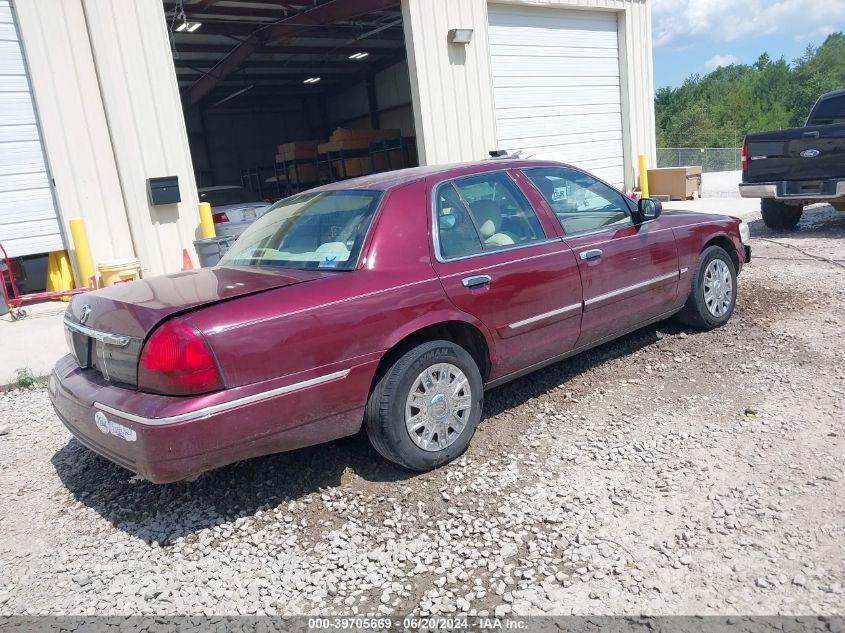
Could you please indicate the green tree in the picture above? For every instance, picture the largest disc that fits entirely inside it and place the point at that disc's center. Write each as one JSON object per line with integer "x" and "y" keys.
{"x": 718, "y": 109}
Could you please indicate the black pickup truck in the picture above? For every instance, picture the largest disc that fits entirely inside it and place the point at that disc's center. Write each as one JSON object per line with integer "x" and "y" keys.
{"x": 789, "y": 169}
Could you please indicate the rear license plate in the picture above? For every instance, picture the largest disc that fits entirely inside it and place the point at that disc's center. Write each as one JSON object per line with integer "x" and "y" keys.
{"x": 249, "y": 214}
{"x": 79, "y": 347}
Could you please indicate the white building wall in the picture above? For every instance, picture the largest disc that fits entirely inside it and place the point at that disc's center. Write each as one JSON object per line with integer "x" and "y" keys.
{"x": 144, "y": 111}
{"x": 73, "y": 123}
{"x": 111, "y": 116}
{"x": 452, "y": 84}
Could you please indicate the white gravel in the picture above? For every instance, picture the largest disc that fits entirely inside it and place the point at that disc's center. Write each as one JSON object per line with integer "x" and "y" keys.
{"x": 670, "y": 472}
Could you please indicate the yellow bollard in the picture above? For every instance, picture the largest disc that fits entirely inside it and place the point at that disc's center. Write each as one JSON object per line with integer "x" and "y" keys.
{"x": 643, "y": 176}
{"x": 83, "y": 251}
{"x": 206, "y": 221}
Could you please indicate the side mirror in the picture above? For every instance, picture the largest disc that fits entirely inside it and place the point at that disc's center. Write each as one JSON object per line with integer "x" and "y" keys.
{"x": 648, "y": 209}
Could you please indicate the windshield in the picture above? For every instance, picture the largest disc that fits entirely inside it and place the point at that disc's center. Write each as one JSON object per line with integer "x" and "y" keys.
{"x": 312, "y": 230}
{"x": 224, "y": 197}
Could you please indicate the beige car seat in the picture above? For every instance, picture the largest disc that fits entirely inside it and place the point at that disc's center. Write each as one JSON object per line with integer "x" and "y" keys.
{"x": 489, "y": 219}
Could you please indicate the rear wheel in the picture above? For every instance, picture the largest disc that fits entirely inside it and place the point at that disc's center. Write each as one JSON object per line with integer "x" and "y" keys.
{"x": 778, "y": 215}
{"x": 713, "y": 298}
{"x": 423, "y": 411}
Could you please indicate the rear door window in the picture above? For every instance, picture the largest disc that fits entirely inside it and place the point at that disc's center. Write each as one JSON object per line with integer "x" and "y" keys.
{"x": 483, "y": 213}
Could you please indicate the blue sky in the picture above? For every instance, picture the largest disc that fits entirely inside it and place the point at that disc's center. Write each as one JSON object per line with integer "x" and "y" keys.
{"x": 697, "y": 36}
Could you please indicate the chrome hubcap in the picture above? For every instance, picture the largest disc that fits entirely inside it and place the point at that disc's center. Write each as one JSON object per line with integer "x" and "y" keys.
{"x": 718, "y": 288}
{"x": 438, "y": 407}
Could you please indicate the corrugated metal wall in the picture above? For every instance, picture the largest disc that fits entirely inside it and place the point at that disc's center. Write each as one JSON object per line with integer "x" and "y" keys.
{"x": 452, "y": 85}
{"x": 73, "y": 122}
{"x": 28, "y": 220}
{"x": 111, "y": 117}
{"x": 144, "y": 111}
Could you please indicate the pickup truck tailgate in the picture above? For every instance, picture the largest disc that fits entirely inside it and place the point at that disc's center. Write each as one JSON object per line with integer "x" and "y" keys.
{"x": 807, "y": 153}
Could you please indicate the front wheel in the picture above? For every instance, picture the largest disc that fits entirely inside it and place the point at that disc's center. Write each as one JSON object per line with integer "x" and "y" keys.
{"x": 423, "y": 411}
{"x": 778, "y": 215}
{"x": 713, "y": 298}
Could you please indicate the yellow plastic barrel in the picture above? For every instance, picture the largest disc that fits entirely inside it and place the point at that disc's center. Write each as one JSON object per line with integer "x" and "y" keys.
{"x": 118, "y": 271}
{"x": 59, "y": 273}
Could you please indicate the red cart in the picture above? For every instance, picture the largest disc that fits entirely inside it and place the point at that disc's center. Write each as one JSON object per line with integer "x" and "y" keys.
{"x": 14, "y": 302}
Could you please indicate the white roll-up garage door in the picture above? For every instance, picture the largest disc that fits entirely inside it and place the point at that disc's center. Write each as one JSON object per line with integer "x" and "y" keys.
{"x": 28, "y": 222}
{"x": 556, "y": 85}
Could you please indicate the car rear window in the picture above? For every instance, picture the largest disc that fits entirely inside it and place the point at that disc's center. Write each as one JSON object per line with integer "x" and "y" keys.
{"x": 324, "y": 230}
{"x": 828, "y": 111}
{"x": 225, "y": 197}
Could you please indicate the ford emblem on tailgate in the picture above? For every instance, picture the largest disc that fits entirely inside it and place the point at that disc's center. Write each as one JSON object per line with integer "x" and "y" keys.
{"x": 810, "y": 153}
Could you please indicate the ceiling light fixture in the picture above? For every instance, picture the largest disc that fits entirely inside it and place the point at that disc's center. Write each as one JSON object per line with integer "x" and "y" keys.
{"x": 311, "y": 80}
{"x": 188, "y": 27}
{"x": 358, "y": 55}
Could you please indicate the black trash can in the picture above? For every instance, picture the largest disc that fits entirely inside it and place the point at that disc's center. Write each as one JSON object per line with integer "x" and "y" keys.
{"x": 209, "y": 251}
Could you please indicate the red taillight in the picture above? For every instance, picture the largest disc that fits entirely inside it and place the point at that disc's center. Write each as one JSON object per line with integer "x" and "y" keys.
{"x": 219, "y": 217}
{"x": 176, "y": 361}
{"x": 744, "y": 156}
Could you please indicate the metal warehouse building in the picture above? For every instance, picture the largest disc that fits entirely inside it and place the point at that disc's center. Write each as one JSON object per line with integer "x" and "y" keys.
{"x": 99, "y": 96}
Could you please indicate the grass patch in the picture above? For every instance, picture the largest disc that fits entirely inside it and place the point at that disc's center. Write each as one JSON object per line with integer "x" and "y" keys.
{"x": 25, "y": 379}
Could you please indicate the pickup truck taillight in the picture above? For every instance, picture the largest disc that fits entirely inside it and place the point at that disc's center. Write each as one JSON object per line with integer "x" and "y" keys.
{"x": 177, "y": 361}
{"x": 744, "y": 156}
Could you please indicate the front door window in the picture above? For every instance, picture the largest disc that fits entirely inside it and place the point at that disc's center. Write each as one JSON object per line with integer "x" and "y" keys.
{"x": 580, "y": 202}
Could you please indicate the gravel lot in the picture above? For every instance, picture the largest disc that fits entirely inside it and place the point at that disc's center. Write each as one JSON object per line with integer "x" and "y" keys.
{"x": 670, "y": 472}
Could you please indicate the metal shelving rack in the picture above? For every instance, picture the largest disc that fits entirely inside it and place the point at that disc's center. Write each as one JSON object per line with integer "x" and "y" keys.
{"x": 326, "y": 162}
{"x": 407, "y": 145}
{"x": 281, "y": 169}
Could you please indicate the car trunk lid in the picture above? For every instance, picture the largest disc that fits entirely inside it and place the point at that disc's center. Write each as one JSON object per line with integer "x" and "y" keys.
{"x": 106, "y": 329}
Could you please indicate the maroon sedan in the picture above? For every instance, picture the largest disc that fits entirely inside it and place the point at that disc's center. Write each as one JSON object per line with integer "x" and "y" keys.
{"x": 391, "y": 301}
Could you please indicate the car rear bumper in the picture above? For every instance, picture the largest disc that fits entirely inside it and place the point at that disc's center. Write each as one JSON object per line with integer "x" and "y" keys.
{"x": 203, "y": 437}
{"x": 231, "y": 229}
{"x": 794, "y": 190}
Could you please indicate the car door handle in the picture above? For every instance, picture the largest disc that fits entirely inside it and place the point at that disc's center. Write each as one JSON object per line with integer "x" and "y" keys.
{"x": 594, "y": 253}
{"x": 476, "y": 280}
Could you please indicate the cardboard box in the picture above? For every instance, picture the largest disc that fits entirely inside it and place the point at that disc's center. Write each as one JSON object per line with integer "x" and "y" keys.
{"x": 349, "y": 139}
{"x": 308, "y": 174}
{"x": 381, "y": 163}
{"x": 352, "y": 167}
{"x": 679, "y": 183}
{"x": 298, "y": 150}
{"x": 325, "y": 148}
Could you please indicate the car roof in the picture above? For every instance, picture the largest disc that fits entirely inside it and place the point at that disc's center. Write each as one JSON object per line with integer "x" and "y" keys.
{"x": 391, "y": 179}
{"x": 832, "y": 94}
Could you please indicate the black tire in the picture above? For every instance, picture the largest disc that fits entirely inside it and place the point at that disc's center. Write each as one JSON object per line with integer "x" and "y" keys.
{"x": 695, "y": 312}
{"x": 384, "y": 417}
{"x": 780, "y": 216}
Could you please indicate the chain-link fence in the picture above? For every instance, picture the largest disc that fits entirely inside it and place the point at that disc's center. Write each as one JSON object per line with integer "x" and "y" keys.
{"x": 709, "y": 158}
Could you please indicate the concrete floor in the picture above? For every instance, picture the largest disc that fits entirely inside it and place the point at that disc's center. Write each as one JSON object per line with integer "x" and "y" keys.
{"x": 33, "y": 343}
{"x": 37, "y": 342}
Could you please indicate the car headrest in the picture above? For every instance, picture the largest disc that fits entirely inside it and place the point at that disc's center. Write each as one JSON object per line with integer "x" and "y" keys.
{"x": 488, "y": 216}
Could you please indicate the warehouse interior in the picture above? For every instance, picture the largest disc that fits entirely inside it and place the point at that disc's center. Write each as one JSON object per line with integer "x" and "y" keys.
{"x": 266, "y": 86}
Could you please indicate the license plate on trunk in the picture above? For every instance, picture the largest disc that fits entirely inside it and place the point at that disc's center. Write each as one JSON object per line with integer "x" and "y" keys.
{"x": 79, "y": 345}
